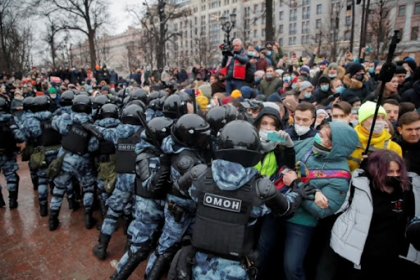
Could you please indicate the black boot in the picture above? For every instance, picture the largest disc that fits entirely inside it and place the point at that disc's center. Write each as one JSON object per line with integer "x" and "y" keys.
{"x": 100, "y": 249}
{"x": 2, "y": 203}
{"x": 161, "y": 266}
{"x": 53, "y": 220}
{"x": 13, "y": 199}
{"x": 103, "y": 208}
{"x": 90, "y": 221}
{"x": 73, "y": 203}
{"x": 127, "y": 221}
{"x": 133, "y": 261}
{"x": 43, "y": 209}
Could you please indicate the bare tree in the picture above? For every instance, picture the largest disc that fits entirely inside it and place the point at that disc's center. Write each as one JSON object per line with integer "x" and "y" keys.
{"x": 327, "y": 38}
{"x": 15, "y": 38}
{"x": 51, "y": 37}
{"x": 379, "y": 28}
{"x": 205, "y": 55}
{"x": 155, "y": 20}
{"x": 86, "y": 16}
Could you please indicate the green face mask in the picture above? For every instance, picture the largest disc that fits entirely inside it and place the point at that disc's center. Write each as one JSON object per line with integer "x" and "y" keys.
{"x": 318, "y": 148}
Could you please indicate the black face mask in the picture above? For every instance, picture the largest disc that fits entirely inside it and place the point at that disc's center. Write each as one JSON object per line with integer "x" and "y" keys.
{"x": 393, "y": 181}
{"x": 359, "y": 77}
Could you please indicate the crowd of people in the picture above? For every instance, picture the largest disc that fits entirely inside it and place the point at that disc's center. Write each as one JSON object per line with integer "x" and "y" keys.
{"x": 268, "y": 167}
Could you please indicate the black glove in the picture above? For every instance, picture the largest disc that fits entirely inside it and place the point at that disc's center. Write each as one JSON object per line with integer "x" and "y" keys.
{"x": 309, "y": 192}
{"x": 387, "y": 72}
{"x": 181, "y": 267}
{"x": 93, "y": 130}
{"x": 227, "y": 53}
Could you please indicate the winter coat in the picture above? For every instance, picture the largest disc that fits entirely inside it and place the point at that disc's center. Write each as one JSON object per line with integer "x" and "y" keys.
{"x": 351, "y": 229}
{"x": 380, "y": 142}
{"x": 344, "y": 141}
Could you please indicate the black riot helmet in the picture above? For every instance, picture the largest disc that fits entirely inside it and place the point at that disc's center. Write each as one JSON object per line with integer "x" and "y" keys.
{"x": 239, "y": 142}
{"x": 28, "y": 103}
{"x": 174, "y": 106}
{"x": 108, "y": 110}
{"x": 156, "y": 95}
{"x": 155, "y": 104}
{"x": 160, "y": 127}
{"x": 219, "y": 116}
{"x": 99, "y": 101}
{"x": 138, "y": 94}
{"x": 191, "y": 130}
{"x": 41, "y": 103}
{"x": 130, "y": 114}
{"x": 67, "y": 98}
{"x": 4, "y": 105}
{"x": 82, "y": 104}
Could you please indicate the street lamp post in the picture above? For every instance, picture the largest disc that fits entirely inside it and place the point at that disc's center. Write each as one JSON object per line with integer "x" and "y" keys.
{"x": 227, "y": 25}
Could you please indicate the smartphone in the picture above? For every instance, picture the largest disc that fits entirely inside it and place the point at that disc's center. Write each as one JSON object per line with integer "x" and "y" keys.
{"x": 274, "y": 137}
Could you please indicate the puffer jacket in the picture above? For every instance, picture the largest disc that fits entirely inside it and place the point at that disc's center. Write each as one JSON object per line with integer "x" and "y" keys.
{"x": 380, "y": 142}
{"x": 345, "y": 141}
{"x": 350, "y": 231}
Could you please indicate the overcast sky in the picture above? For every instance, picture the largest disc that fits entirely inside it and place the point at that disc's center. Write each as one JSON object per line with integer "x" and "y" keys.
{"x": 120, "y": 18}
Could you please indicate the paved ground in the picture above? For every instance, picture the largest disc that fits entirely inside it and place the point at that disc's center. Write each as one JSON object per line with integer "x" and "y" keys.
{"x": 28, "y": 250}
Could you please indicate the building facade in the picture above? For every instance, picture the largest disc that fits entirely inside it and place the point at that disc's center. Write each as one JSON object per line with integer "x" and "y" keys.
{"x": 300, "y": 26}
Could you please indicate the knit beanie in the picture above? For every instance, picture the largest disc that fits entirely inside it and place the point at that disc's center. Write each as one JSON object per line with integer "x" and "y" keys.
{"x": 236, "y": 94}
{"x": 367, "y": 110}
{"x": 353, "y": 68}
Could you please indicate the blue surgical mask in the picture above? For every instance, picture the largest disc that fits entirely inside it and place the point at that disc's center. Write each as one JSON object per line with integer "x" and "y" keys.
{"x": 340, "y": 89}
{"x": 325, "y": 87}
{"x": 318, "y": 148}
{"x": 287, "y": 79}
{"x": 307, "y": 94}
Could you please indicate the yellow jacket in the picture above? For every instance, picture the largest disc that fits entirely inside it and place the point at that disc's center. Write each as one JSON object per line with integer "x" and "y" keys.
{"x": 380, "y": 142}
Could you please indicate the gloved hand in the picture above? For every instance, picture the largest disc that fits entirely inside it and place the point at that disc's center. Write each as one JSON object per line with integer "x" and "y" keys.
{"x": 164, "y": 160}
{"x": 309, "y": 192}
{"x": 93, "y": 130}
{"x": 281, "y": 137}
{"x": 181, "y": 266}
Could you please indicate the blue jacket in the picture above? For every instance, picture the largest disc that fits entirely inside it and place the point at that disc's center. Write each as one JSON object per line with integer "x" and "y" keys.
{"x": 345, "y": 141}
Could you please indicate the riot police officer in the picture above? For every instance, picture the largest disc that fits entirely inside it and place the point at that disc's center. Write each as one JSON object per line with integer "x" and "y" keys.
{"x": 77, "y": 143}
{"x": 10, "y": 135}
{"x": 152, "y": 184}
{"x": 46, "y": 141}
{"x": 231, "y": 196}
{"x": 125, "y": 137}
{"x": 190, "y": 135}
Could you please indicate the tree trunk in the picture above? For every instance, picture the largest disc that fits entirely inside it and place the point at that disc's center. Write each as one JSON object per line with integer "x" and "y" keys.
{"x": 269, "y": 29}
{"x": 92, "y": 51}
{"x": 353, "y": 7}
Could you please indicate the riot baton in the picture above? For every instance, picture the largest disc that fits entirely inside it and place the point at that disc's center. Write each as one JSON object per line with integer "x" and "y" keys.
{"x": 148, "y": 130}
{"x": 386, "y": 74}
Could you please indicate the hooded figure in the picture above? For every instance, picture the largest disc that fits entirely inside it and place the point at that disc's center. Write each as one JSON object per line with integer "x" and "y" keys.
{"x": 326, "y": 169}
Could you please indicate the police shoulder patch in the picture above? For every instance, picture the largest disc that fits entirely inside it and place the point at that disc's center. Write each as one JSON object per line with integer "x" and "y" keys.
{"x": 221, "y": 202}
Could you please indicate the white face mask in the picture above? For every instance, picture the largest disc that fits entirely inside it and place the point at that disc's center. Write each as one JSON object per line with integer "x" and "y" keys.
{"x": 301, "y": 130}
{"x": 379, "y": 127}
{"x": 263, "y": 135}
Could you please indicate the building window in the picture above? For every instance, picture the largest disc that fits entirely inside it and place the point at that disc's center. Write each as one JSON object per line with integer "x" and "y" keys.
{"x": 401, "y": 11}
{"x": 306, "y": 2}
{"x": 281, "y": 15}
{"x": 348, "y": 20}
{"x": 414, "y": 33}
{"x": 281, "y": 28}
{"x": 347, "y": 35}
{"x": 318, "y": 24}
{"x": 255, "y": 33}
{"x": 417, "y": 8}
{"x": 319, "y": 9}
{"x": 281, "y": 41}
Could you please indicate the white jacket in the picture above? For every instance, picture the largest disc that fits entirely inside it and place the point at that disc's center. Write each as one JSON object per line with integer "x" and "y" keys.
{"x": 350, "y": 231}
